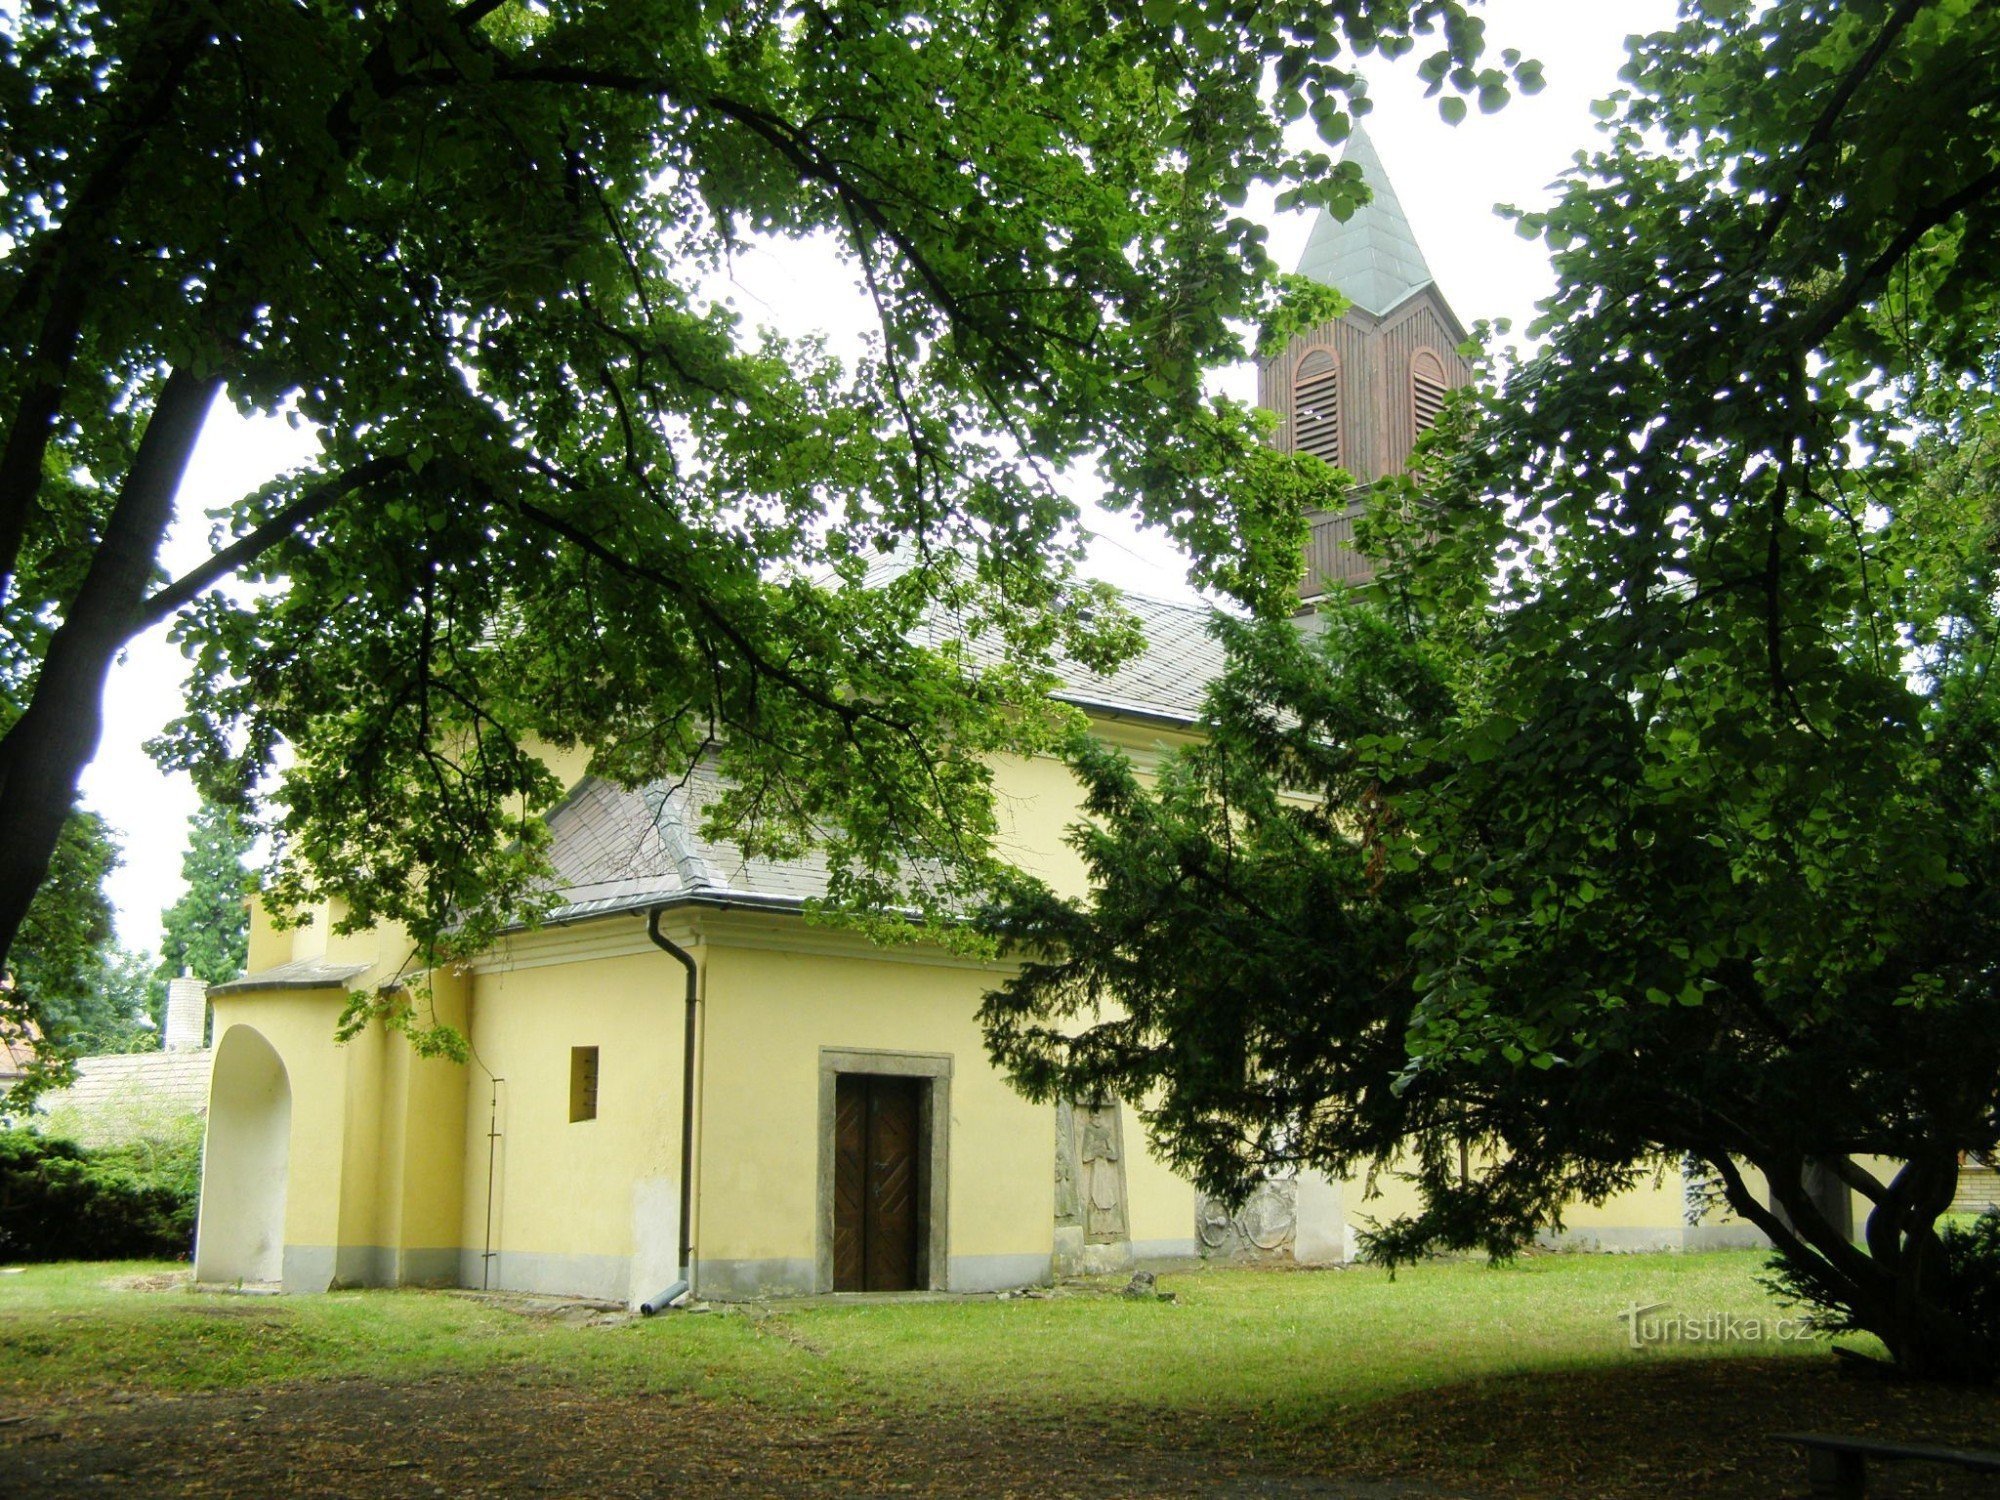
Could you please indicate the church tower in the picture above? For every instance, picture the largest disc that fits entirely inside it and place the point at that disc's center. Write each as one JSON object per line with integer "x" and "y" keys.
{"x": 1358, "y": 390}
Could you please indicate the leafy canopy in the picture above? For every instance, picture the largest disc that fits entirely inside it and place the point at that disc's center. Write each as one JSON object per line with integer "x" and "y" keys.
{"x": 565, "y": 493}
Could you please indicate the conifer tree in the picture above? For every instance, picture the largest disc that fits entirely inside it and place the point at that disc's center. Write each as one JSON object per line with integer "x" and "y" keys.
{"x": 207, "y": 932}
{"x": 1648, "y": 807}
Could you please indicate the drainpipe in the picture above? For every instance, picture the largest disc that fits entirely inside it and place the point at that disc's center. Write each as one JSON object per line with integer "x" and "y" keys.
{"x": 684, "y": 1284}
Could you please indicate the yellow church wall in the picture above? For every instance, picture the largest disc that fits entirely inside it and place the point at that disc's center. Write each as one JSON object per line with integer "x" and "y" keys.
{"x": 567, "y": 766}
{"x": 431, "y": 1147}
{"x": 1651, "y": 1215}
{"x": 390, "y": 1151}
{"x": 384, "y": 947}
{"x": 1369, "y": 1201}
{"x": 363, "y": 1223}
{"x": 566, "y": 1192}
{"x": 269, "y": 944}
{"x": 591, "y": 1207}
{"x": 308, "y": 937}
{"x": 299, "y": 1027}
{"x": 774, "y": 1019}
{"x": 376, "y": 1162}
{"x": 1160, "y": 1205}
{"x": 1036, "y": 800}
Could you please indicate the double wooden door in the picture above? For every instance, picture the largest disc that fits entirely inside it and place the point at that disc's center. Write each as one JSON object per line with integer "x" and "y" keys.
{"x": 880, "y": 1186}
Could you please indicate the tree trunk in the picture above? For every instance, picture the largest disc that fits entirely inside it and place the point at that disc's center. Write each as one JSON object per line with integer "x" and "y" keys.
{"x": 65, "y": 263}
{"x": 44, "y": 753}
{"x": 1892, "y": 1288}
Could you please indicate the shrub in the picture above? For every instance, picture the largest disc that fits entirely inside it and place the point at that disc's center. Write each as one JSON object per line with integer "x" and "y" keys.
{"x": 61, "y": 1201}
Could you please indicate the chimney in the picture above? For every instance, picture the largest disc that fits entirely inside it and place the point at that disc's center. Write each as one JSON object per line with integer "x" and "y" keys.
{"x": 187, "y": 1014}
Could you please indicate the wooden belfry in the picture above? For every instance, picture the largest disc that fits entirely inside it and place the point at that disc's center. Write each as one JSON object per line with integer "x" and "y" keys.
{"x": 1357, "y": 391}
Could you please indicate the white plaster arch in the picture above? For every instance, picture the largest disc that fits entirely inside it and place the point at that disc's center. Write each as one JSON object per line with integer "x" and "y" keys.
{"x": 246, "y": 1160}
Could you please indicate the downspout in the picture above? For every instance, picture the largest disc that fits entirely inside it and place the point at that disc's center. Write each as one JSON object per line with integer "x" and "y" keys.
{"x": 684, "y": 1283}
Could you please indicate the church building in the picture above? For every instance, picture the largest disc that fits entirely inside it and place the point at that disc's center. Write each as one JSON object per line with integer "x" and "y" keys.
{"x": 678, "y": 1079}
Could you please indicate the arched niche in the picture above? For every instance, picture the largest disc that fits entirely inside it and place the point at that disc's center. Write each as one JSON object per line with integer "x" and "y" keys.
{"x": 245, "y": 1161}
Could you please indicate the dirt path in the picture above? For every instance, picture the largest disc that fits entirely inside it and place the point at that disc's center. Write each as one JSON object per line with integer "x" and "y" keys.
{"x": 450, "y": 1437}
{"x": 1653, "y": 1431}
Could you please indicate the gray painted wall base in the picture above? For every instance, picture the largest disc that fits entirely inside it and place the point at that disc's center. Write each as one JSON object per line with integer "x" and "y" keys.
{"x": 1619, "y": 1239}
{"x": 602, "y": 1278}
{"x": 747, "y": 1280}
{"x": 1068, "y": 1249}
{"x": 997, "y": 1273}
{"x": 1103, "y": 1260}
{"x": 308, "y": 1268}
{"x": 1733, "y": 1236}
{"x": 607, "y": 1278}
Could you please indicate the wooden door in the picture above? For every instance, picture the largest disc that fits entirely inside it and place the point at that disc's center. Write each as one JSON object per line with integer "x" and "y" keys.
{"x": 878, "y": 1184}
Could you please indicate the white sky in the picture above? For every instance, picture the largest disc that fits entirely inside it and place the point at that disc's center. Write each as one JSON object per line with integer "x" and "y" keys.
{"x": 1448, "y": 179}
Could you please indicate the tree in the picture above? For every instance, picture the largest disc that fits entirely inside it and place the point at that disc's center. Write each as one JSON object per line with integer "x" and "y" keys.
{"x": 1652, "y": 807}
{"x": 563, "y": 493}
{"x": 207, "y": 932}
{"x": 123, "y": 1008}
{"x": 67, "y": 979}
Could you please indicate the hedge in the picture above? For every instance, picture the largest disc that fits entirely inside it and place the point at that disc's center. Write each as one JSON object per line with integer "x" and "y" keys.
{"x": 62, "y": 1201}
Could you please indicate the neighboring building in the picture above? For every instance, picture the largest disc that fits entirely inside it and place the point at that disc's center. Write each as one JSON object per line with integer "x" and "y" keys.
{"x": 17, "y": 1056}
{"x": 846, "y": 1130}
{"x": 122, "y": 1096}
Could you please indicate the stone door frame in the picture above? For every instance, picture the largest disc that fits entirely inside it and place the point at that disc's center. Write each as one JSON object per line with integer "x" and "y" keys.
{"x": 935, "y": 1122}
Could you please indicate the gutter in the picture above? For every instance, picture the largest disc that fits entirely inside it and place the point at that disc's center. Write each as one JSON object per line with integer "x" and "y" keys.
{"x": 1129, "y": 713}
{"x": 684, "y": 1284}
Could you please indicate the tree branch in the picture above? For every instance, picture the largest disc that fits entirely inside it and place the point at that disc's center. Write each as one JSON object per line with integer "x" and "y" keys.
{"x": 309, "y": 507}
{"x": 1823, "y": 127}
{"x": 1808, "y": 332}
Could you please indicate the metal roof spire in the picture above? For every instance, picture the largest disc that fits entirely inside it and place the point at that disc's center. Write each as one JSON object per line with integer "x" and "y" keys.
{"x": 1372, "y": 258}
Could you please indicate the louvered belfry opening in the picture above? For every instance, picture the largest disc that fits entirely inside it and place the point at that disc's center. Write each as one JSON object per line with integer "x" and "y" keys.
{"x": 1427, "y": 389}
{"x": 880, "y": 1188}
{"x": 1316, "y": 406}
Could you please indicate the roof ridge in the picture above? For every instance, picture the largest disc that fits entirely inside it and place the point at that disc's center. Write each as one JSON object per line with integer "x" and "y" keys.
{"x": 1189, "y": 606}
{"x": 670, "y": 823}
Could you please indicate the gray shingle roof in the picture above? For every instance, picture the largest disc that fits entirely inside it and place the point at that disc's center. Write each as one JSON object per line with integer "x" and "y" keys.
{"x": 1164, "y": 682}
{"x": 299, "y": 974}
{"x": 1373, "y": 257}
{"x": 120, "y": 1096}
{"x": 618, "y": 851}
{"x": 1168, "y": 679}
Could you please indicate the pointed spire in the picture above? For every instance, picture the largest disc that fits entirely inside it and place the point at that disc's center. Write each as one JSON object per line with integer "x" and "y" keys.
{"x": 1372, "y": 258}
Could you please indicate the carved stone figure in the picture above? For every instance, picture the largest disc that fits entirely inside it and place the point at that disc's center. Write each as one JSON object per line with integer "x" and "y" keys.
{"x": 1103, "y": 1175}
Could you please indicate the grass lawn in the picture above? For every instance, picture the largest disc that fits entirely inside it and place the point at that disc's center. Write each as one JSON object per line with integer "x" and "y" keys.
{"x": 1449, "y": 1371}
{"x": 1288, "y": 1345}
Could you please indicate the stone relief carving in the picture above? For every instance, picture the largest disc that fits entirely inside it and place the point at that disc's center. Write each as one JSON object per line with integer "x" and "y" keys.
{"x": 1069, "y": 1205}
{"x": 1103, "y": 1174}
{"x": 1092, "y": 1232}
{"x": 1264, "y": 1228}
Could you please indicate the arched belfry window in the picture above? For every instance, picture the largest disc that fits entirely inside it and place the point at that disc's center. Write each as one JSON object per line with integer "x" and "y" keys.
{"x": 1427, "y": 390}
{"x": 1316, "y": 406}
